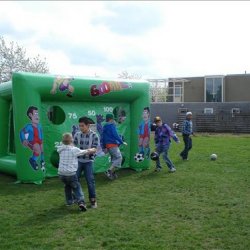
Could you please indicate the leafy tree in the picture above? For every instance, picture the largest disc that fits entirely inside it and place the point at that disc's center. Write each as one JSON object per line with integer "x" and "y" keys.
{"x": 13, "y": 58}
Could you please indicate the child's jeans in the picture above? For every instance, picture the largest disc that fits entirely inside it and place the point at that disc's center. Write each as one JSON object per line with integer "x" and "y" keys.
{"x": 188, "y": 145}
{"x": 116, "y": 157}
{"x": 163, "y": 149}
{"x": 71, "y": 184}
{"x": 87, "y": 169}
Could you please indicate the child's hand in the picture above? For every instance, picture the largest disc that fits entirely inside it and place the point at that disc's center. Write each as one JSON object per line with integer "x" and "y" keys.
{"x": 84, "y": 151}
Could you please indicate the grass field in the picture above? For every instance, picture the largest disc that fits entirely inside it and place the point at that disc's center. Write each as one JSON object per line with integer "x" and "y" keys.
{"x": 204, "y": 205}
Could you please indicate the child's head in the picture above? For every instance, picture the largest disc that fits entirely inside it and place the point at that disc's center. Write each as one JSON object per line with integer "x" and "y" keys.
{"x": 189, "y": 115}
{"x": 158, "y": 121}
{"x": 67, "y": 139}
{"x": 84, "y": 124}
{"x": 109, "y": 117}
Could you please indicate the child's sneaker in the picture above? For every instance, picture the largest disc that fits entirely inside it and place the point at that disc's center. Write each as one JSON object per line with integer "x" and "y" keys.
{"x": 82, "y": 206}
{"x": 115, "y": 176}
{"x": 93, "y": 204}
{"x": 109, "y": 174}
{"x": 157, "y": 169}
{"x": 172, "y": 170}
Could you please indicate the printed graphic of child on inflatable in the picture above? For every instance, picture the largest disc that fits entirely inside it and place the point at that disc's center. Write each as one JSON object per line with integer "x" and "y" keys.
{"x": 144, "y": 133}
{"x": 63, "y": 84}
{"x": 31, "y": 137}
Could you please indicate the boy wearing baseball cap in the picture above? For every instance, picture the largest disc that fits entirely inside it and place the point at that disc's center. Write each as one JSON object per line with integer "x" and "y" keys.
{"x": 111, "y": 142}
{"x": 163, "y": 135}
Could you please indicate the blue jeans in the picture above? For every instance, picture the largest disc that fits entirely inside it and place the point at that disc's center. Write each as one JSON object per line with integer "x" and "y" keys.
{"x": 72, "y": 187}
{"x": 188, "y": 145}
{"x": 87, "y": 168}
{"x": 116, "y": 157}
{"x": 163, "y": 149}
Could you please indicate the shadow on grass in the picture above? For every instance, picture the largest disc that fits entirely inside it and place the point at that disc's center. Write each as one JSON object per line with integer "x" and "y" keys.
{"x": 101, "y": 179}
{"x": 50, "y": 215}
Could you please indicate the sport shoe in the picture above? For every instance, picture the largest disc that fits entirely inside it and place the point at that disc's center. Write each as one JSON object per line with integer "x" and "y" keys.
{"x": 115, "y": 176}
{"x": 82, "y": 207}
{"x": 109, "y": 174}
{"x": 172, "y": 170}
{"x": 157, "y": 169}
{"x": 93, "y": 204}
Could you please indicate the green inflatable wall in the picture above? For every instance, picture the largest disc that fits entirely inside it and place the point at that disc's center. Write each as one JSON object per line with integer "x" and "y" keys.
{"x": 36, "y": 109}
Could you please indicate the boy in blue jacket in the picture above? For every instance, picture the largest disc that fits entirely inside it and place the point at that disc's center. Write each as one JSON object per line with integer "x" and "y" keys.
{"x": 111, "y": 142}
{"x": 163, "y": 135}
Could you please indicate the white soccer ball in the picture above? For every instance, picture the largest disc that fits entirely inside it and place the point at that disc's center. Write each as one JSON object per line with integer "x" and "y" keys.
{"x": 213, "y": 157}
{"x": 138, "y": 157}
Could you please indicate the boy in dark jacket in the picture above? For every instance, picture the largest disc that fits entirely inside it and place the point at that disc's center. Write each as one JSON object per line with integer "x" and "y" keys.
{"x": 111, "y": 142}
{"x": 187, "y": 132}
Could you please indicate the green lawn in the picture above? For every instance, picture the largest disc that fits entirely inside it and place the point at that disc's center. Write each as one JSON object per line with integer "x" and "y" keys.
{"x": 204, "y": 205}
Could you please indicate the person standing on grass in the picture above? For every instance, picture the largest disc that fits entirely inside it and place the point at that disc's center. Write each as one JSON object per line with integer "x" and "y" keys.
{"x": 68, "y": 165}
{"x": 163, "y": 135}
{"x": 187, "y": 132}
{"x": 111, "y": 142}
{"x": 88, "y": 140}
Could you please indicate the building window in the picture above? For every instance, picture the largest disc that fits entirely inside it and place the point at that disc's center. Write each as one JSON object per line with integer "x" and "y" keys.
{"x": 235, "y": 110}
{"x": 175, "y": 91}
{"x": 208, "y": 111}
{"x": 214, "y": 89}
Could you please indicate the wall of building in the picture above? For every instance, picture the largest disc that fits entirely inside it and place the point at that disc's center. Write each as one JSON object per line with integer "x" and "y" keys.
{"x": 171, "y": 113}
{"x": 237, "y": 88}
{"x": 194, "y": 90}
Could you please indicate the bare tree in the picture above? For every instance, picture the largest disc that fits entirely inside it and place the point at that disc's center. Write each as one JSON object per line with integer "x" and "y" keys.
{"x": 13, "y": 58}
{"x": 125, "y": 75}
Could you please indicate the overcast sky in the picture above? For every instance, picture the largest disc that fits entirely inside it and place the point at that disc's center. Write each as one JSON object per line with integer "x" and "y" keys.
{"x": 153, "y": 39}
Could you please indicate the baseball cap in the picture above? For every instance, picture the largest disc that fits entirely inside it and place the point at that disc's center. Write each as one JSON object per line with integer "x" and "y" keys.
{"x": 109, "y": 117}
{"x": 157, "y": 119}
{"x": 188, "y": 113}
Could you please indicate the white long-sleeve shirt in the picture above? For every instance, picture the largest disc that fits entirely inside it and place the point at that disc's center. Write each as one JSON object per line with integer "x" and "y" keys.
{"x": 68, "y": 162}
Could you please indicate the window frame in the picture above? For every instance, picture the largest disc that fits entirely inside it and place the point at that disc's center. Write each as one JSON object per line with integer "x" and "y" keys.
{"x": 213, "y": 78}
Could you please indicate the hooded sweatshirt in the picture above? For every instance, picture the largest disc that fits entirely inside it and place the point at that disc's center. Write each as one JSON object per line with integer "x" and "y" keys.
{"x": 110, "y": 135}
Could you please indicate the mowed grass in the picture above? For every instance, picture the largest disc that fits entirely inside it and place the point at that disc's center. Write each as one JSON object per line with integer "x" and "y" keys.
{"x": 204, "y": 205}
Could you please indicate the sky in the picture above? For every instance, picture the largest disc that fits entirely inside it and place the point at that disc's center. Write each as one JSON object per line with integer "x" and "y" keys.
{"x": 153, "y": 39}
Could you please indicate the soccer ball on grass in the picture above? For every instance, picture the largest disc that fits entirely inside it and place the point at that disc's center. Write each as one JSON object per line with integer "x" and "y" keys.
{"x": 213, "y": 157}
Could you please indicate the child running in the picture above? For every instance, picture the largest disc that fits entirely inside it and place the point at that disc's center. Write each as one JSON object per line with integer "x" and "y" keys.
{"x": 111, "y": 142}
{"x": 163, "y": 134}
{"x": 68, "y": 165}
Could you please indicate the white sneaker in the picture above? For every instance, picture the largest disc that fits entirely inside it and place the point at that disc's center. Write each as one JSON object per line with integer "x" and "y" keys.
{"x": 93, "y": 204}
{"x": 172, "y": 170}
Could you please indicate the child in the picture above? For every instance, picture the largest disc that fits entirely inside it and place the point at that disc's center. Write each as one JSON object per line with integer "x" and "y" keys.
{"x": 187, "y": 131}
{"x": 111, "y": 142}
{"x": 163, "y": 134}
{"x": 89, "y": 140}
{"x": 67, "y": 171}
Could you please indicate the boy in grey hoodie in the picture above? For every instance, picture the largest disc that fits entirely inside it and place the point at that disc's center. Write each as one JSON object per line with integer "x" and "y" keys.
{"x": 68, "y": 165}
